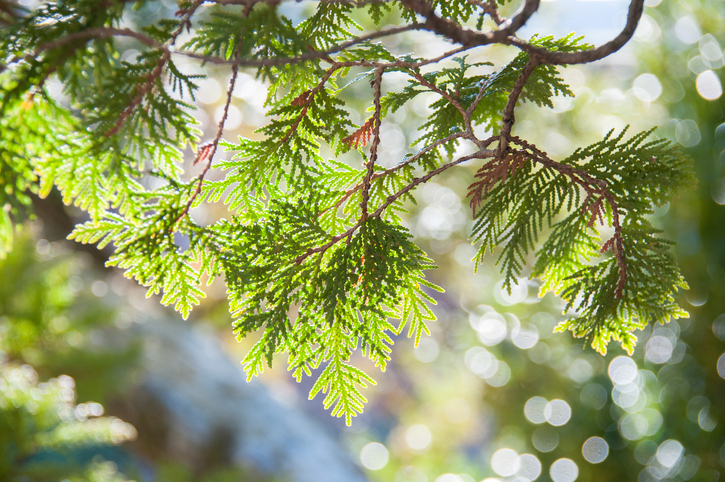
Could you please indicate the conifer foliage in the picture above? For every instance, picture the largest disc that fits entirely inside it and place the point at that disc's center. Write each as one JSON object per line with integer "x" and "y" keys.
{"x": 313, "y": 251}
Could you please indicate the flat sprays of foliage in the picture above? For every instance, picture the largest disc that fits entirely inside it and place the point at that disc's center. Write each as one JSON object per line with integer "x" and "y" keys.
{"x": 313, "y": 252}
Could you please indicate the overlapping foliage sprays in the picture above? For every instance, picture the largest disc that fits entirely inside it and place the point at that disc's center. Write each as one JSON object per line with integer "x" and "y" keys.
{"x": 314, "y": 253}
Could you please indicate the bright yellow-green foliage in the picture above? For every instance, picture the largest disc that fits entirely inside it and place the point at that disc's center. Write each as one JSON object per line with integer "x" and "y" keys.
{"x": 314, "y": 252}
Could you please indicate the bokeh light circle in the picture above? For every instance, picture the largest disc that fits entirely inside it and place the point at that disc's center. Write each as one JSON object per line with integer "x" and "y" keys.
{"x": 594, "y": 396}
{"x": 669, "y": 453}
{"x": 418, "y": 437}
{"x": 501, "y": 377}
{"x": 659, "y": 349}
{"x": 654, "y": 420}
{"x": 534, "y": 409}
{"x": 718, "y": 326}
{"x": 647, "y": 87}
{"x": 505, "y": 462}
{"x": 633, "y": 426}
{"x": 580, "y": 370}
{"x": 687, "y": 133}
{"x": 525, "y": 337}
{"x": 449, "y": 478}
{"x": 427, "y": 350}
{"x": 564, "y": 470}
{"x": 622, "y": 370}
{"x": 374, "y": 456}
{"x": 529, "y": 468}
{"x": 721, "y": 366}
{"x": 557, "y": 412}
{"x": 545, "y": 439}
{"x": 481, "y": 362}
{"x": 519, "y": 292}
{"x": 491, "y": 329}
{"x": 595, "y": 450}
{"x": 708, "y": 85}
{"x": 626, "y": 396}
{"x": 644, "y": 451}
{"x": 687, "y": 30}
{"x": 410, "y": 473}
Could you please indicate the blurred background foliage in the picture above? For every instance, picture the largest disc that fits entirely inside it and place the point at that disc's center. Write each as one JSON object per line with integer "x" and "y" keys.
{"x": 493, "y": 394}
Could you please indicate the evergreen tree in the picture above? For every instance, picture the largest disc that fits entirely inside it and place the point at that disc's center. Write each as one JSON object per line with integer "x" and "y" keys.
{"x": 314, "y": 253}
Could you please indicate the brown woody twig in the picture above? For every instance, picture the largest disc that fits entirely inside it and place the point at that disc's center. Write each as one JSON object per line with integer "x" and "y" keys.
{"x": 508, "y": 112}
{"x": 207, "y": 151}
{"x": 636, "y": 8}
{"x": 593, "y": 187}
{"x": 483, "y": 154}
{"x": 377, "y": 82}
{"x": 156, "y": 73}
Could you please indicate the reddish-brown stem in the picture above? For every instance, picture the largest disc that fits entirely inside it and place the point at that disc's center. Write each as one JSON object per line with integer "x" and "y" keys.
{"x": 306, "y": 99}
{"x": 636, "y": 7}
{"x": 414, "y": 158}
{"x": 466, "y": 36}
{"x": 483, "y": 154}
{"x": 593, "y": 187}
{"x": 211, "y": 149}
{"x": 148, "y": 86}
{"x": 491, "y": 8}
{"x": 508, "y": 112}
{"x": 377, "y": 82}
{"x": 239, "y": 62}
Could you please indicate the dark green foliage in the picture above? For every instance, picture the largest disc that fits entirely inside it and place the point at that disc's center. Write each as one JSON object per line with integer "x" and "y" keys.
{"x": 313, "y": 251}
{"x": 640, "y": 175}
{"x": 17, "y": 178}
{"x": 457, "y": 10}
{"x": 321, "y": 309}
{"x": 260, "y": 34}
{"x": 520, "y": 206}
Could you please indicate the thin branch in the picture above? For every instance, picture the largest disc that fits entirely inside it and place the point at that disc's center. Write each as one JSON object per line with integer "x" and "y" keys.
{"x": 491, "y": 8}
{"x": 312, "y": 55}
{"x": 377, "y": 82}
{"x": 512, "y": 25}
{"x": 426, "y": 83}
{"x": 156, "y": 73}
{"x": 635, "y": 13}
{"x": 465, "y": 36}
{"x": 507, "y": 115}
{"x": 395, "y": 168}
{"x": 268, "y": 62}
{"x": 483, "y": 154}
{"x": 209, "y": 150}
{"x": 593, "y": 187}
{"x": 100, "y": 32}
{"x": 306, "y": 98}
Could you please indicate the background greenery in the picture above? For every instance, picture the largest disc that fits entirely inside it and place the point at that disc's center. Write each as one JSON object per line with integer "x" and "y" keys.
{"x": 463, "y": 406}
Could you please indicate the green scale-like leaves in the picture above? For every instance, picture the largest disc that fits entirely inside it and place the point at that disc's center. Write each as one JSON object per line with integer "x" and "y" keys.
{"x": 341, "y": 298}
{"x": 543, "y": 85}
{"x": 312, "y": 249}
{"x": 639, "y": 175}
